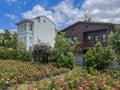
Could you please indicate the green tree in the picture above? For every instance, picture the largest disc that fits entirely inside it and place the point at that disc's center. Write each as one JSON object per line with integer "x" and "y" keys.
{"x": 98, "y": 58}
{"x": 41, "y": 52}
{"x": 87, "y": 18}
{"x": 14, "y": 40}
{"x": 114, "y": 40}
{"x": 63, "y": 56}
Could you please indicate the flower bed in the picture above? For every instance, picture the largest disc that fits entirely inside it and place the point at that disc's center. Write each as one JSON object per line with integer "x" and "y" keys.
{"x": 81, "y": 80}
{"x": 16, "y": 72}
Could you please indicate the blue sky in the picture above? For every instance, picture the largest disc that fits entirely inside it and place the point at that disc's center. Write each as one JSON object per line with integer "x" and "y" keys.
{"x": 62, "y": 12}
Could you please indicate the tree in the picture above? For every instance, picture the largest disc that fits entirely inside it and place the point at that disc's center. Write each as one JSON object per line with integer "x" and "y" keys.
{"x": 14, "y": 40}
{"x": 87, "y": 18}
{"x": 63, "y": 56}
{"x": 98, "y": 58}
{"x": 114, "y": 40}
{"x": 41, "y": 52}
{"x": 20, "y": 45}
{"x": 10, "y": 40}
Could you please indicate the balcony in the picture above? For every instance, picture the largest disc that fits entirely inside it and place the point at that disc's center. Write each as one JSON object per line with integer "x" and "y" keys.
{"x": 89, "y": 44}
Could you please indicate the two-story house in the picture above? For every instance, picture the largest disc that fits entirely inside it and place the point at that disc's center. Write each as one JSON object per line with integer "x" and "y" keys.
{"x": 40, "y": 28}
{"x": 88, "y": 33}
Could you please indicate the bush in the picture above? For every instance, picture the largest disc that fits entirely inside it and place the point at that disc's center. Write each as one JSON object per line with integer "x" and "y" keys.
{"x": 98, "y": 58}
{"x": 63, "y": 56}
{"x": 7, "y": 54}
{"x": 24, "y": 55}
{"x": 42, "y": 52}
{"x": 15, "y": 54}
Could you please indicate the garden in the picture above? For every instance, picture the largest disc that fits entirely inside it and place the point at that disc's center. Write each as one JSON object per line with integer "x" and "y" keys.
{"x": 79, "y": 79}
{"x": 47, "y": 68}
{"x": 17, "y": 72}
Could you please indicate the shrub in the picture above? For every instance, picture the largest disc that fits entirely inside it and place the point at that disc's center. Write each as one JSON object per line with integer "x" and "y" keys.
{"x": 63, "y": 56}
{"x": 24, "y": 55}
{"x": 114, "y": 40}
{"x": 98, "y": 58}
{"x": 42, "y": 52}
{"x": 7, "y": 54}
{"x": 15, "y": 54}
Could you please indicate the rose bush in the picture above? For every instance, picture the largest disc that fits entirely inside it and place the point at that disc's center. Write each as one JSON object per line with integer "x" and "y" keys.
{"x": 81, "y": 80}
{"x": 16, "y": 72}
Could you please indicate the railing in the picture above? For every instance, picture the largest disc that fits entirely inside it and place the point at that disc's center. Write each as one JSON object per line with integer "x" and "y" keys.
{"x": 91, "y": 44}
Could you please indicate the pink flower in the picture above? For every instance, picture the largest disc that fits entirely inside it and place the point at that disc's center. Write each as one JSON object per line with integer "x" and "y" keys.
{"x": 65, "y": 82}
{"x": 101, "y": 83}
{"x": 80, "y": 88}
{"x": 86, "y": 84}
{"x": 59, "y": 80}
{"x": 113, "y": 88}
{"x": 30, "y": 88}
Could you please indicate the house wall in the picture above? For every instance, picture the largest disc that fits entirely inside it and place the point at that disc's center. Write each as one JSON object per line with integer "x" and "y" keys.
{"x": 40, "y": 28}
{"x": 79, "y": 29}
{"x": 44, "y": 31}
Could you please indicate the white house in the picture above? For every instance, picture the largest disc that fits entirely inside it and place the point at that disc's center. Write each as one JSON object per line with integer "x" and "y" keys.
{"x": 41, "y": 28}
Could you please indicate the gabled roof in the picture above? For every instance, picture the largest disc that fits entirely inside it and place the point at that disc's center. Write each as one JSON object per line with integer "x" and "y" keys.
{"x": 45, "y": 17}
{"x": 30, "y": 20}
{"x": 84, "y": 22}
{"x": 25, "y": 20}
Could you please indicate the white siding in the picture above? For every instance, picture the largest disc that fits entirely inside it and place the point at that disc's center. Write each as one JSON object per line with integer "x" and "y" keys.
{"x": 41, "y": 29}
{"x": 44, "y": 31}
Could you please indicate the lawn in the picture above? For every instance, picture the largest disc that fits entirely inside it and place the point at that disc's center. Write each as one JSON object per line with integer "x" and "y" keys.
{"x": 31, "y": 76}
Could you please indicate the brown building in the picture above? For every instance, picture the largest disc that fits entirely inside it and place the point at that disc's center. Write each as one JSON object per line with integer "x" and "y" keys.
{"x": 88, "y": 33}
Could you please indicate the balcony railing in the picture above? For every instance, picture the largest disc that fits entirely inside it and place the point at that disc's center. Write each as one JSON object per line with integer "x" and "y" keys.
{"x": 90, "y": 44}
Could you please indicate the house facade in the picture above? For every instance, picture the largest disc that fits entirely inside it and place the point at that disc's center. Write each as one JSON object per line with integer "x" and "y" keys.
{"x": 88, "y": 33}
{"x": 39, "y": 29}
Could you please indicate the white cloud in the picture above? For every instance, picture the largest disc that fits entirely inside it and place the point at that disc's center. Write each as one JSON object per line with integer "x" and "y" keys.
{"x": 11, "y": 16}
{"x": 62, "y": 14}
{"x": 65, "y": 13}
{"x": 11, "y": 30}
{"x": 103, "y": 10}
{"x": 1, "y": 30}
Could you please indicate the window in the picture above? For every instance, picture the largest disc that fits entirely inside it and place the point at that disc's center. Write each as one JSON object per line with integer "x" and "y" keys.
{"x": 88, "y": 37}
{"x": 30, "y": 38}
{"x": 30, "y": 48}
{"x": 24, "y": 39}
{"x": 75, "y": 38}
{"x": 39, "y": 20}
{"x": 24, "y": 27}
{"x": 31, "y": 27}
{"x": 44, "y": 20}
{"x": 70, "y": 38}
{"x": 96, "y": 37}
{"x": 104, "y": 37}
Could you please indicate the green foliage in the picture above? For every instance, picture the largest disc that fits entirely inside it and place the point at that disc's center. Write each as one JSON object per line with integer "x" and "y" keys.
{"x": 20, "y": 45}
{"x": 42, "y": 52}
{"x": 23, "y": 55}
{"x": 114, "y": 40}
{"x": 7, "y": 54}
{"x": 63, "y": 56}
{"x": 98, "y": 58}
{"x": 8, "y": 39}
{"x": 15, "y": 54}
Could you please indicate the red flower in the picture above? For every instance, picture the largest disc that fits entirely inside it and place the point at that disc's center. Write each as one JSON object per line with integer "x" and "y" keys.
{"x": 80, "y": 88}
{"x": 101, "y": 83}
{"x": 30, "y": 88}
{"x": 59, "y": 80}
{"x": 86, "y": 84}
{"x": 113, "y": 88}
